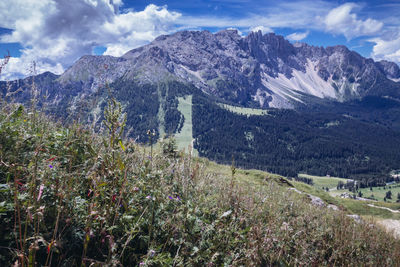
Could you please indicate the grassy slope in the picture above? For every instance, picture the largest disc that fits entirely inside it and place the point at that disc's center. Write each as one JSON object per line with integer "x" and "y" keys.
{"x": 323, "y": 181}
{"x": 161, "y": 113}
{"x": 381, "y": 217}
{"x": 244, "y": 111}
{"x": 378, "y": 193}
{"x": 185, "y": 137}
{"x": 124, "y": 198}
{"x": 352, "y": 206}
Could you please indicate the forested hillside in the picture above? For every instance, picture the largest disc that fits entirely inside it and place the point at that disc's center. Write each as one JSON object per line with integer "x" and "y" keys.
{"x": 288, "y": 142}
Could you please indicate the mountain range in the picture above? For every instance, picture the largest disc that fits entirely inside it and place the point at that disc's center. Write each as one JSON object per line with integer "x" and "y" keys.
{"x": 264, "y": 71}
{"x": 270, "y": 104}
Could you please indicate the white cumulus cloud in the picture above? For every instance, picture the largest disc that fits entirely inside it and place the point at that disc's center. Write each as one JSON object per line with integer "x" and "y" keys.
{"x": 261, "y": 28}
{"x": 341, "y": 20}
{"x": 387, "y": 48}
{"x": 298, "y": 36}
{"x": 55, "y": 33}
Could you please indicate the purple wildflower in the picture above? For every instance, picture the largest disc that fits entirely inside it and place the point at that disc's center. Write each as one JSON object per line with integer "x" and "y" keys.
{"x": 170, "y": 197}
{"x": 178, "y": 198}
{"x": 148, "y": 197}
{"x": 51, "y": 166}
{"x": 152, "y": 253}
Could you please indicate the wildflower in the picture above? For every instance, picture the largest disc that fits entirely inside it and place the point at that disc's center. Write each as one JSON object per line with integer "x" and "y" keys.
{"x": 93, "y": 212}
{"x": 51, "y": 166}
{"x": 285, "y": 227}
{"x": 171, "y": 198}
{"x": 178, "y": 198}
{"x": 40, "y": 192}
{"x": 135, "y": 189}
{"x": 148, "y": 197}
{"x": 141, "y": 264}
{"x": 49, "y": 247}
{"x": 152, "y": 253}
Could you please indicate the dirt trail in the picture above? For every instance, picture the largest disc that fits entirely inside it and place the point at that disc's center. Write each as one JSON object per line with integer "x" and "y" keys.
{"x": 384, "y": 208}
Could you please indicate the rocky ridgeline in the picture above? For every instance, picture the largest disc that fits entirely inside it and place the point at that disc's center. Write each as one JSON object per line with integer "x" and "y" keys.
{"x": 256, "y": 71}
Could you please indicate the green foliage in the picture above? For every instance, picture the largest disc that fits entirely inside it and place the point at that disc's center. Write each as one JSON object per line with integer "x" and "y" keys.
{"x": 115, "y": 121}
{"x": 169, "y": 148}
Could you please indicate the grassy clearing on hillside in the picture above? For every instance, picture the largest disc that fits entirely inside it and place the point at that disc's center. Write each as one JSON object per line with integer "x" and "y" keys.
{"x": 244, "y": 111}
{"x": 184, "y": 138}
{"x": 249, "y": 177}
{"x": 324, "y": 181}
{"x": 378, "y": 193}
{"x": 161, "y": 113}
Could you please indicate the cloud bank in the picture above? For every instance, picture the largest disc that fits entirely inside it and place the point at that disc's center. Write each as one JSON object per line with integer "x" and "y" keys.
{"x": 341, "y": 20}
{"x": 298, "y": 36}
{"x": 388, "y": 49}
{"x": 55, "y": 33}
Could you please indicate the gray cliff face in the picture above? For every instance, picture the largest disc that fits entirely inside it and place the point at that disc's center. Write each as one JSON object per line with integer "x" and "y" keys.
{"x": 391, "y": 69}
{"x": 256, "y": 70}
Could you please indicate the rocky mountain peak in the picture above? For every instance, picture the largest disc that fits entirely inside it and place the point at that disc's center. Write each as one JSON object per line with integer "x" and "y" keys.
{"x": 255, "y": 70}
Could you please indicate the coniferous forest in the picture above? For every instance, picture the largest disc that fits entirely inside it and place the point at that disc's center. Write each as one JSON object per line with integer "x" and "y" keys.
{"x": 288, "y": 142}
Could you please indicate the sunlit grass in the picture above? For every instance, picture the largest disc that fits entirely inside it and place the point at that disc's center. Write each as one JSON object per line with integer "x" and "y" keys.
{"x": 244, "y": 111}
{"x": 184, "y": 138}
{"x": 324, "y": 181}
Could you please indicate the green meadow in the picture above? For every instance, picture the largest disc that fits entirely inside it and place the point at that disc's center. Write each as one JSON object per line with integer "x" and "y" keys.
{"x": 244, "y": 111}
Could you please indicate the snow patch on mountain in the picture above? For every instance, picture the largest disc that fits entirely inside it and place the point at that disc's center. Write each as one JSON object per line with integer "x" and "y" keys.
{"x": 395, "y": 80}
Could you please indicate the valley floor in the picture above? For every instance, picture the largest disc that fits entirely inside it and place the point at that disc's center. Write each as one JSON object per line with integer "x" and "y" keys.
{"x": 383, "y": 213}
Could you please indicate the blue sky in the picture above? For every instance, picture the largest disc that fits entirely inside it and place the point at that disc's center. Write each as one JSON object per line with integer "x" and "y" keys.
{"x": 55, "y": 33}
